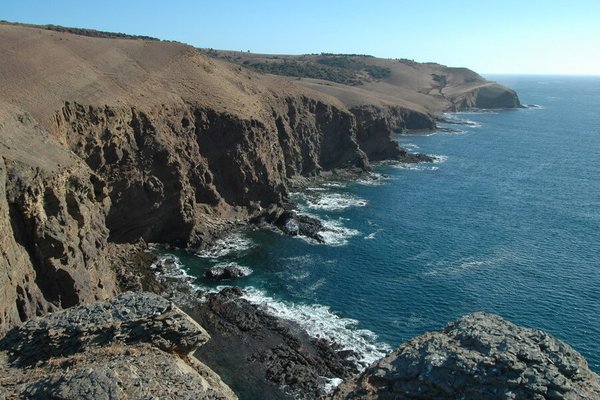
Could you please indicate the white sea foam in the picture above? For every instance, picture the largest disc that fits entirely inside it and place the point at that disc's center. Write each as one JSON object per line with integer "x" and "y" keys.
{"x": 471, "y": 123}
{"x": 320, "y": 322}
{"x": 454, "y": 118}
{"x": 334, "y": 184}
{"x": 332, "y": 383}
{"x": 335, "y": 233}
{"x": 181, "y": 286}
{"x": 371, "y": 236}
{"x": 416, "y": 167}
{"x": 438, "y": 159}
{"x": 242, "y": 268}
{"x": 410, "y": 146}
{"x": 372, "y": 179}
{"x": 234, "y": 243}
{"x": 533, "y": 106}
{"x": 335, "y": 202}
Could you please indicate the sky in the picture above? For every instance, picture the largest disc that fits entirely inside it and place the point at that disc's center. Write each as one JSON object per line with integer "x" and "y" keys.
{"x": 525, "y": 36}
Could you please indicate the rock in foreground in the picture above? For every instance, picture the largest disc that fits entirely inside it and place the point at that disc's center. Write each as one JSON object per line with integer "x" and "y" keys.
{"x": 137, "y": 346}
{"x": 479, "y": 356}
{"x": 265, "y": 357}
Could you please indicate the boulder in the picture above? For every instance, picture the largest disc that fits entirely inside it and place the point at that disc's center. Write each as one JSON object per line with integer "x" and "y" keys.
{"x": 479, "y": 356}
{"x": 227, "y": 271}
{"x": 293, "y": 224}
{"x": 135, "y": 346}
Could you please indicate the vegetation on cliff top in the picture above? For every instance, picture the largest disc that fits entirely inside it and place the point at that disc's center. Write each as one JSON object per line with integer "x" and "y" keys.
{"x": 346, "y": 69}
{"x": 84, "y": 32}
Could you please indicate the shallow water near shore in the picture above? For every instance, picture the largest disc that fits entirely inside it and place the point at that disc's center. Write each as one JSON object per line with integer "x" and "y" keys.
{"x": 507, "y": 220}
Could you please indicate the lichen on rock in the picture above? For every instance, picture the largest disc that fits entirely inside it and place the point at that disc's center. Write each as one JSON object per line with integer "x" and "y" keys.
{"x": 137, "y": 345}
{"x": 479, "y": 356}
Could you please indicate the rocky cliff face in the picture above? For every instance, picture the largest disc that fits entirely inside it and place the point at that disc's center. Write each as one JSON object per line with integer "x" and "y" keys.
{"x": 53, "y": 238}
{"x": 138, "y": 345}
{"x": 172, "y": 174}
{"x": 489, "y": 96}
{"x": 479, "y": 356}
{"x": 173, "y": 171}
{"x": 376, "y": 124}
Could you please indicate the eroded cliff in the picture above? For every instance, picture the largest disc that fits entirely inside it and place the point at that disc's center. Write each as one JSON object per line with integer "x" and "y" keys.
{"x": 52, "y": 218}
{"x": 106, "y": 142}
{"x": 177, "y": 171}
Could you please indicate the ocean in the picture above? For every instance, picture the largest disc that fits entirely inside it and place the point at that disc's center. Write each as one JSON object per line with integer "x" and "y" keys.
{"x": 507, "y": 220}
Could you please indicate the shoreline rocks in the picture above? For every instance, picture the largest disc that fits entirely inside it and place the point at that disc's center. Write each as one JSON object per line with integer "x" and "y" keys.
{"x": 294, "y": 224}
{"x": 227, "y": 271}
{"x": 479, "y": 356}
{"x": 278, "y": 359}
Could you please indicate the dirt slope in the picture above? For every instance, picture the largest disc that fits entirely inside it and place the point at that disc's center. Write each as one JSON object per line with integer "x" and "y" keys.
{"x": 359, "y": 80}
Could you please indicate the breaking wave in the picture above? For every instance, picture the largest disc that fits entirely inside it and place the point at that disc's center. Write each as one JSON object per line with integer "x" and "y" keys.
{"x": 320, "y": 322}
{"x": 233, "y": 244}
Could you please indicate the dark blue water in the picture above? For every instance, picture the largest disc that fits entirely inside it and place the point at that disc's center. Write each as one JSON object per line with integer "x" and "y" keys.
{"x": 509, "y": 223}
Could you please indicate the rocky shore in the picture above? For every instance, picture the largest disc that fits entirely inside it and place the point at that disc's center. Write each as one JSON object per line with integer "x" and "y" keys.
{"x": 278, "y": 358}
{"x": 108, "y": 145}
{"x": 479, "y": 356}
{"x": 139, "y": 345}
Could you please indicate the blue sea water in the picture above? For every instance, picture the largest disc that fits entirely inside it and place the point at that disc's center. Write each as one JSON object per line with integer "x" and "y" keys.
{"x": 507, "y": 221}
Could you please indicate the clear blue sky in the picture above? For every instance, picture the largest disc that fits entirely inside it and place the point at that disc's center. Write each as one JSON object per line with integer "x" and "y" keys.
{"x": 526, "y": 36}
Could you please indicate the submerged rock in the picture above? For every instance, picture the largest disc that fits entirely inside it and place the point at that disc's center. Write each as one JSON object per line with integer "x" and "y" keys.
{"x": 479, "y": 356}
{"x": 293, "y": 224}
{"x": 136, "y": 346}
{"x": 228, "y": 271}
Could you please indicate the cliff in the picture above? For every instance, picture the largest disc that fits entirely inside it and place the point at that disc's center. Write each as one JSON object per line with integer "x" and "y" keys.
{"x": 479, "y": 356}
{"x": 105, "y": 142}
{"x": 52, "y": 212}
{"x": 138, "y": 345}
{"x": 109, "y": 143}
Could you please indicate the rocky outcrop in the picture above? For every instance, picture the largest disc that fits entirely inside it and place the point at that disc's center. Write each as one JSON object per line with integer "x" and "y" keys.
{"x": 488, "y": 96}
{"x": 278, "y": 359}
{"x": 227, "y": 271}
{"x": 294, "y": 224}
{"x": 479, "y": 356}
{"x": 376, "y": 124}
{"x": 135, "y": 346}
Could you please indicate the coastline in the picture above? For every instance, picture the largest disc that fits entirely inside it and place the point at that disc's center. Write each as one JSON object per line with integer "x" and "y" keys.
{"x": 208, "y": 149}
{"x": 229, "y": 329}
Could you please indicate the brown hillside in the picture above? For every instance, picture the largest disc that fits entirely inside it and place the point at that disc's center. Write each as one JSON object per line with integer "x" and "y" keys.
{"x": 359, "y": 80}
{"x": 108, "y": 143}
